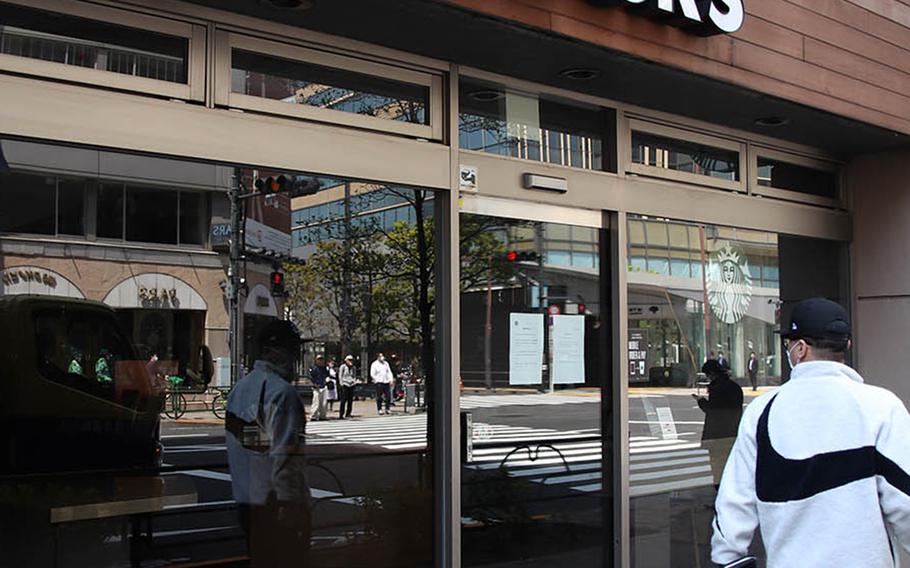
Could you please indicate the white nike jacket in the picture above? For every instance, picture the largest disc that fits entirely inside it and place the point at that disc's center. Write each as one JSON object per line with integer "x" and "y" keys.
{"x": 821, "y": 466}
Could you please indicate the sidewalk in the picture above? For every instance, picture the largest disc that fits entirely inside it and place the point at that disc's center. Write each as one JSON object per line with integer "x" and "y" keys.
{"x": 362, "y": 409}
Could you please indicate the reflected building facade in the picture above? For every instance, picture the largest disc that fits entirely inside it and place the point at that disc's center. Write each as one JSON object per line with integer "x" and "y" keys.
{"x": 547, "y": 254}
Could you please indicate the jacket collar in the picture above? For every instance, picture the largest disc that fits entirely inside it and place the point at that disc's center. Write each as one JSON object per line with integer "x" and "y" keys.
{"x": 824, "y": 369}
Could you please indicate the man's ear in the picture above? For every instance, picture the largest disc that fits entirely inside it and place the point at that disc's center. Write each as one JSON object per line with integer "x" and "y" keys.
{"x": 849, "y": 344}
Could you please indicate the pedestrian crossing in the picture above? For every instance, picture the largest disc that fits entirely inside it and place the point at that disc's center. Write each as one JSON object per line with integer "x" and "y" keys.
{"x": 409, "y": 431}
{"x": 656, "y": 465}
{"x": 398, "y": 432}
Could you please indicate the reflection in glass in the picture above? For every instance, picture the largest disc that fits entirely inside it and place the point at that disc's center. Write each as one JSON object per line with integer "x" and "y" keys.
{"x": 503, "y": 122}
{"x": 71, "y": 207}
{"x": 70, "y": 40}
{"x": 128, "y": 485}
{"x": 692, "y": 333}
{"x": 802, "y": 179}
{"x": 531, "y": 335}
{"x": 297, "y": 82}
{"x": 27, "y": 203}
{"x": 151, "y": 215}
{"x": 368, "y": 287}
{"x": 684, "y": 156}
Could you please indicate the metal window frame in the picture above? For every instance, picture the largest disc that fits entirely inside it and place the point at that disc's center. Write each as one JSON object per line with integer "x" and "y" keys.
{"x": 226, "y": 41}
{"x": 756, "y": 152}
{"x": 193, "y": 89}
{"x": 631, "y": 125}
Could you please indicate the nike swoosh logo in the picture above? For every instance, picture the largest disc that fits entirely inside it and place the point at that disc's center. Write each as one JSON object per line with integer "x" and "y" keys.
{"x": 779, "y": 479}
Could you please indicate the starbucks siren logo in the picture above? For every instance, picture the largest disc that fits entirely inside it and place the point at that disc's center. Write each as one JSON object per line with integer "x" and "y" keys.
{"x": 729, "y": 285}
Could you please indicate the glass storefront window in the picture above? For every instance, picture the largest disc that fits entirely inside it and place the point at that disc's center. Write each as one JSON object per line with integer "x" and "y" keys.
{"x": 801, "y": 179}
{"x": 684, "y": 156}
{"x": 70, "y": 40}
{"x": 677, "y": 323}
{"x": 298, "y": 82}
{"x": 28, "y": 203}
{"x": 498, "y": 121}
{"x": 114, "y": 452}
{"x": 532, "y": 364}
{"x": 110, "y": 211}
{"x": 71, "y": 207}
{"x": 151, "y": 215}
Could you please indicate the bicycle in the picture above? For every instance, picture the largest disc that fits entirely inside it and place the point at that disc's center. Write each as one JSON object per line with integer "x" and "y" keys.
{"x": 175, "y": 401}
{"x": 219, "y": 403}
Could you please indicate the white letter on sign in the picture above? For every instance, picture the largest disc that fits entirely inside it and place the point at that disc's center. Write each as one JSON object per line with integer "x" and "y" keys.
{"x": 730, "y": 20}
{"x": 690, "y": 10}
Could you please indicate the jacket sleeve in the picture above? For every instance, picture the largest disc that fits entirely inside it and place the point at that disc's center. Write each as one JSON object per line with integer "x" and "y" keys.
{"x": 287, "y": 448}
{"x": 893, "y": 469}
{"x": 736, "y": 508}
{"x": 375, "y": 371}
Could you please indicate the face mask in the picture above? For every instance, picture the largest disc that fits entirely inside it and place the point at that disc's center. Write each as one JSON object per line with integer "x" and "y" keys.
{"x": 790, "y": 360}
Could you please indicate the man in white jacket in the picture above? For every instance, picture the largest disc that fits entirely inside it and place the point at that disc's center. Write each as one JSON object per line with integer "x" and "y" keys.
{"x": 382, "y": 376}
{"x": 820, "y": 465}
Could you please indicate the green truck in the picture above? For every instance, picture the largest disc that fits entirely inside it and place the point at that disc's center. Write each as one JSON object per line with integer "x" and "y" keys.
{"x": 73, "y": 394}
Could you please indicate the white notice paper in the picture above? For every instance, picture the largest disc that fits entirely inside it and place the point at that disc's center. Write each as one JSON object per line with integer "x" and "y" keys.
{"x": 568, "y": 350}
{"x": 525, "y": 349}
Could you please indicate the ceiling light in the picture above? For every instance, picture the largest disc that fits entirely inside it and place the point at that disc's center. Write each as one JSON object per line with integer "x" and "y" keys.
{"x": 486, "y": 95}
{"x": 580, "y": 73}
{"x": 772, "y": 121}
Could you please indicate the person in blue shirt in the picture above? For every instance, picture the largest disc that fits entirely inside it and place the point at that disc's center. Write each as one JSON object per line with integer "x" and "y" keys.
{"x": 264, "y": 429}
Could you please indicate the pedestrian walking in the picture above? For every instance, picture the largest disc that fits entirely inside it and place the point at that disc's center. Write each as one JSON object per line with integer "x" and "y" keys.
{"x": 753, "y": 370}
{"x": 821, "y": 465}
{"x": 319, "y": 374}
{"x": 382, "y": 377}
{"x": 347, "y": 377}
{"x": 723, "y": 408}
{"x": 264, "y": 429}
{"x": 722, "y": 360}
{"x": 331, "y": 385}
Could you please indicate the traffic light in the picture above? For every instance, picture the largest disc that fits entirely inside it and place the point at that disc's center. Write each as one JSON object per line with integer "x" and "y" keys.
{"x": 277, "y": 280}
{"x": 295, "y": 186}
{"x": 521, "y": 256}
{"x": 271, "y": 185}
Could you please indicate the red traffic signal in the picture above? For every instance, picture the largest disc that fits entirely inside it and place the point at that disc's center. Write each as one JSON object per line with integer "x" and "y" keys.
{"x": 523, "y": 256}
{"x": 295, "y": 186}
{"x": 271, "y": 184}
{"x": 277, "y": 280}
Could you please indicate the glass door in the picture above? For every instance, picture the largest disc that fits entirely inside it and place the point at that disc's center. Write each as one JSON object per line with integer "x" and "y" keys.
{"x": 534, "y": 345}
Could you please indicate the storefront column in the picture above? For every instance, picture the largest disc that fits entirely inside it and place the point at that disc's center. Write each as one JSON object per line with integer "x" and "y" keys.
{"x": 619, "y": 300}
{"x": 446, "y": 421}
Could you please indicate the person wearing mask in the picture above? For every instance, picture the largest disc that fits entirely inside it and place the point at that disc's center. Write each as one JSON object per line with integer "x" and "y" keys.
{"x": 723, "y": 408}
{"x": 347, "y": 377}
{"x": 822, "y": 465}
{"x": 264, "y": 431}
{"x": 382, "y": 377}
{"x": 753, "y": 370}
{"x": 319, "y": 375}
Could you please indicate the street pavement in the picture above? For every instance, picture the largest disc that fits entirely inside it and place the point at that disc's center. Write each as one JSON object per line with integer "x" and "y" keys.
{"x": 551, "y": 441}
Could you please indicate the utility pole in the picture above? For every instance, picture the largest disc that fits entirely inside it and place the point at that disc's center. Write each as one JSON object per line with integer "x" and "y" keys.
{"x": 235, "y": 279}
{"x": 347, "y": 327}
{"x": 488, "y": 330}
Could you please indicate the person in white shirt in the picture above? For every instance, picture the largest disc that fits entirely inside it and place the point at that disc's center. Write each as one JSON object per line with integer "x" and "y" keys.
{"x": 821, "y": 465}
{"x": 382, "y": 376}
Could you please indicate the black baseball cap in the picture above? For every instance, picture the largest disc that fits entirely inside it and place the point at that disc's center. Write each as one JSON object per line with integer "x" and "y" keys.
{"x": 279, "y": 333}
{"x": 817, "y": 318}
